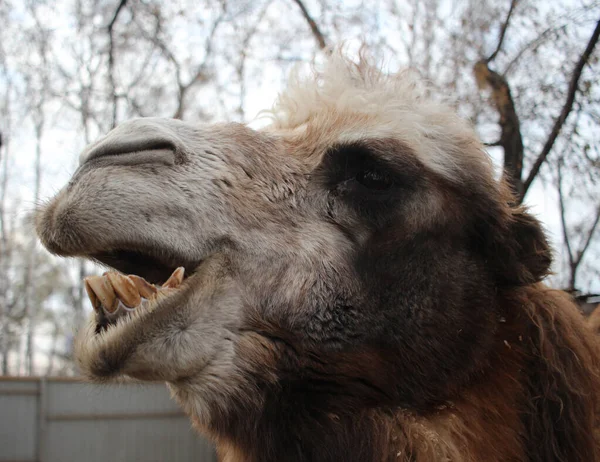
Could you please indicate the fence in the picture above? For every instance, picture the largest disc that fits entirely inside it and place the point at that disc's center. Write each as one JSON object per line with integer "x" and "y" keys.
{"x": 58, "y": 420}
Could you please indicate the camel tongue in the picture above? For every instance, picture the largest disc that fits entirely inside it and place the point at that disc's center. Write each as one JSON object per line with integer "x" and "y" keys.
{"x": 114, "y": 290}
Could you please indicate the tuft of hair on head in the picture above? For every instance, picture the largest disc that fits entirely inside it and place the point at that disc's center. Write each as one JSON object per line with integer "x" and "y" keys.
{"x": 398, "y": 105}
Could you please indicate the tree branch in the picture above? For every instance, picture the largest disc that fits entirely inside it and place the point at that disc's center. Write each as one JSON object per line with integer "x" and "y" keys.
{"x": 558, "y": 124}
{"x": 241, "y": 66}
{"x": 533, "y": 45}
{"x": 111, "y": 61}
{"x": 510, "y": 135}
{"x": 319, "y": 37}
{"x": 200, "y": 74}
{"x": 589, "y": 237}
{"x": 563, "y": 219}
{"x": 513, "y": 3}
{"x": 116, "y": 15}
{"x": 493, "y": 144}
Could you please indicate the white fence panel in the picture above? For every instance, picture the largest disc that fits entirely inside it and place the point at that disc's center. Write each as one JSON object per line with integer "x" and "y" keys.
{"x": 57, "y": 420}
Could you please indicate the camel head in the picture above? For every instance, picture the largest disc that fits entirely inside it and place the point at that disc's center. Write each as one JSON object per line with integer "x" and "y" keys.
{"x": 353, "y": 254}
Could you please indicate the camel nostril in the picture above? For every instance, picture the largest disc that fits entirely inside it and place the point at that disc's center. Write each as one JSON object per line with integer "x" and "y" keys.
{"x": 137, "y": 141}
{"x": 130, "y": 152}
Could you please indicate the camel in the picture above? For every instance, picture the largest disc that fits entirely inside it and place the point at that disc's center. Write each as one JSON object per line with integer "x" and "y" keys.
{"x": 351, "y": 282}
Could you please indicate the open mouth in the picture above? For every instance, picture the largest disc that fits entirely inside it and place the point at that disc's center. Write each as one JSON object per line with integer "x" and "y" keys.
{"x": 153, "y": 266}
{"x": 140, "y": 280}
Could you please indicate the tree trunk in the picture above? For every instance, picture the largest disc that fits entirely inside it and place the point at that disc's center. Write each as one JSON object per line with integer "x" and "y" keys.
{"x": 30, "y": 270}
{"x": 510, "y": 138}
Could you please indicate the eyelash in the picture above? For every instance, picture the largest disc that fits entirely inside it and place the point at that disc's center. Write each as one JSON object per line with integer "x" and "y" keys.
{"x": 374, "y": 179}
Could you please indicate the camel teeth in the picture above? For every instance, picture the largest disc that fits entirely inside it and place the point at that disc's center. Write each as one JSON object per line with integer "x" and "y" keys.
{"x": 91, "y": 295}
{"x": 101, "y": 293}
{"x": 114, "y": 292}
{"x": 125, "y": 289}
{"x": 175, "y": 279}
{"x": 144, "y": 288}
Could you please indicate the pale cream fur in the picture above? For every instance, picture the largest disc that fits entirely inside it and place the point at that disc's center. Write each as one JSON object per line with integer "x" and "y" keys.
{"x": 357, "y": 101}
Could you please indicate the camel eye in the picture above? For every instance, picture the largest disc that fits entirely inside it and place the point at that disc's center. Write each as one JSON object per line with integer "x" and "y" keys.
{"x": 374, "y": 179}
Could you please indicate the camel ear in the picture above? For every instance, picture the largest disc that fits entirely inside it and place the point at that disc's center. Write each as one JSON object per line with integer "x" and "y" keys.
{"x": 522, "y": 254}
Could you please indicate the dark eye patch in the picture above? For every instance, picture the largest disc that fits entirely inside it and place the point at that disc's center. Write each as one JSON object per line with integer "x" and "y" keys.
{"x": 376, "y": 178}
{"x": 368, "y": 167}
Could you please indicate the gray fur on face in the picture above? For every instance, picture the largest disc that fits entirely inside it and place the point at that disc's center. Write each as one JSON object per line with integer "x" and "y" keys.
{"x": 185, "y": 194}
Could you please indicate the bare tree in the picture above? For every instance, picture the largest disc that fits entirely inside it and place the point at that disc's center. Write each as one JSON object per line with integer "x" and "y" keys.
{"x": 6, "y": 305}
{"x": 511, "y": 139}
{"x": 566, "y": 110}
{"x": 37, "y": 89}
{"x": 200, "y": 73}
{"x": 584, "y": 234}
{"x": 111, "y": 61}
{"x": 316, "y": 31}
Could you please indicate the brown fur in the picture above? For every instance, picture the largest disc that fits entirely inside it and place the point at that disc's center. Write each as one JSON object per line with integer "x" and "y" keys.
{"x": 594, "y": 320}
{"x": 533, "y": 402}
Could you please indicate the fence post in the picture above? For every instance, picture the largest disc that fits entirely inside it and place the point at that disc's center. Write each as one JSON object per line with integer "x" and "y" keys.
{"x": 41, "y": 422}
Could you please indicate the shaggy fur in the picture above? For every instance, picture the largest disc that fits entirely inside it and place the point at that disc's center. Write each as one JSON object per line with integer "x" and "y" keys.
{"x": 360, "y": 287}
{"x": 594, "y": 319}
